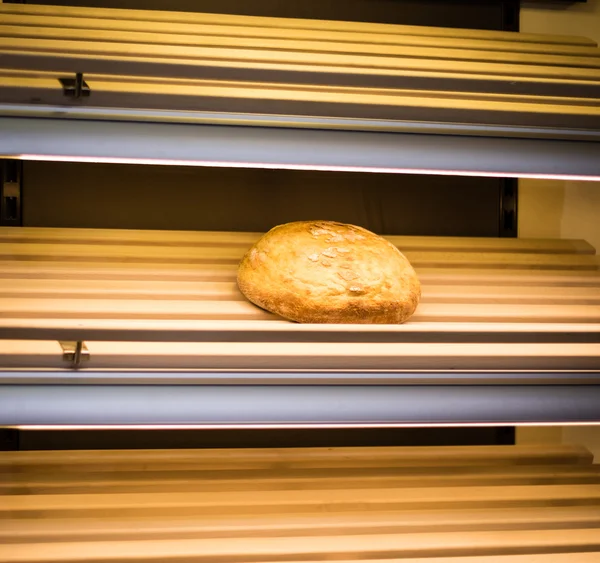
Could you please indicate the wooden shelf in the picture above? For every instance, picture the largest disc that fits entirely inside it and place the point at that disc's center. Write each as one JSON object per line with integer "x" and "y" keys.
{"x": 503, "y": 504}
{"x": 266, "y": 92}
{"x": 177, "y": 289}
{"x": 169, "y": 333}
{"x": 446, "y": 94}
{"x": 294, "y": 68}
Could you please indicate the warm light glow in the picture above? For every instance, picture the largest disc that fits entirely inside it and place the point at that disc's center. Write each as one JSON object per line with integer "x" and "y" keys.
{"x": 270, "y": 166}
{"x": 291, "y": 426}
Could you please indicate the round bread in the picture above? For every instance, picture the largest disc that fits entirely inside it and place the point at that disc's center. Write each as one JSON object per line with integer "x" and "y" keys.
{"x": 326, "y": 272}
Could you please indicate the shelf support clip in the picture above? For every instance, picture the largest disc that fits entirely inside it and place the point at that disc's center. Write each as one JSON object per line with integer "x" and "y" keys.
{"x": 75, "y": 352}
{"x": 75, "y": 87}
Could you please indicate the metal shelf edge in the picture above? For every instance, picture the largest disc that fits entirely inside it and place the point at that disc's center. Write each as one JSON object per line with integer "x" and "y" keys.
{"x": 297, "y": 405}
{"x": 270, "y": 147}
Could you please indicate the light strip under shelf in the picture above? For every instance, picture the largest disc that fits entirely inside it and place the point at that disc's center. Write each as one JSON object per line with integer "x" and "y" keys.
{"x": 297, "y": 149}
{"x": 231, "y": 406}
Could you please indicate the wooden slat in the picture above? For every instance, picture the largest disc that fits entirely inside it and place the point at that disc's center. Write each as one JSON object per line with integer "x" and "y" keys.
{"x": 117, "y": 289}
{"x": 316, "y": 356}
{"x": 313, "y": 548}
{"x": 446, "y": 265}
{"x": 221, "y": 238}
{"x": 232, "y": 255}
{"x": 585, "y": 556}
{"x": 294, "y": 501}
{"x": 582, "y": 557}
{"x": 272, "y": 477}
{"x": 188, "y": 481}
{"x": 160, "y": 238}
{"x": 298, "y": 458}
{"x": 509, "y": 295}
{"x": 108, "y": 308}
{"x": 84, "y": 270}
{"x": 216, "y": 291}
{"x": 223, "y": 502}
{"x": 309, "y": 524}
{"x": 539, "y": 278}
{"x": 291, "y": 356}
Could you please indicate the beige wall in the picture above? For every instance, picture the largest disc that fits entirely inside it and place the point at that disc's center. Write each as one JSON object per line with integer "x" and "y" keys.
{"x": 581, "y": 19}
{"x": 556, "y": 208}
{"x": 551, "y": 208}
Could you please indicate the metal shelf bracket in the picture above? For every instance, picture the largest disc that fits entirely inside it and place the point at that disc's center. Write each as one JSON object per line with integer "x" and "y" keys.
{"x": 75, "y": 87}
{"x": 75, "y": 352}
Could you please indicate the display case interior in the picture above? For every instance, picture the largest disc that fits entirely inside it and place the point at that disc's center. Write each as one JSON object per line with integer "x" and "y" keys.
{"x": 154, "y": 413}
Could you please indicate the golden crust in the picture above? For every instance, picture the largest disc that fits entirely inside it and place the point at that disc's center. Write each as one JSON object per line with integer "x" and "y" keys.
{"x": 327, "y": 272}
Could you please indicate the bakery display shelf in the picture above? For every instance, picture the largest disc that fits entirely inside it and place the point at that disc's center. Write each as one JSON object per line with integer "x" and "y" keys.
{"x": 298, "y": 68}
{"x": 492, "y": 504}
{"x": 169, "y": 300}
{"x": 508, "y": 330}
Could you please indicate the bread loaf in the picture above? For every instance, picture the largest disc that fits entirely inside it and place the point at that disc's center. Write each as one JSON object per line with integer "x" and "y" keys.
{"x": 327, "y": 272}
